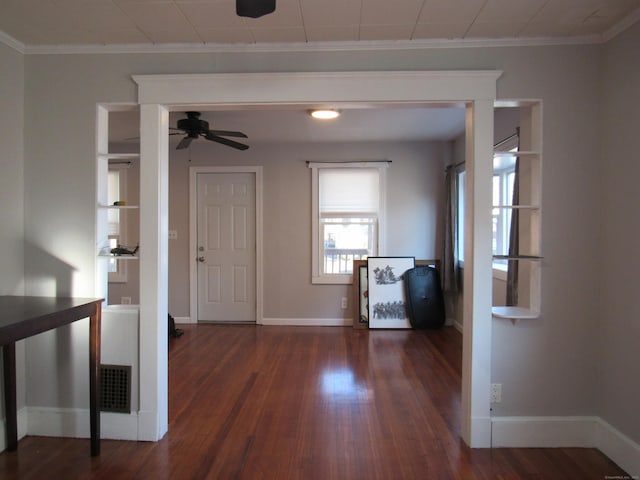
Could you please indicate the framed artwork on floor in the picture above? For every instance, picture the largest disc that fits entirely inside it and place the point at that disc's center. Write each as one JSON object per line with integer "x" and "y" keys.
{"x": 387, "y": 302}
{"x": 360, "y": 298}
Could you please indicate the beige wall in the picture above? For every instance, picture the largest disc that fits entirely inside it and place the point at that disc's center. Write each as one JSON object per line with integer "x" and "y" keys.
{"x": 414, "y": 205}
{"x": 546, "y": 366}
{"x": 618, "y": 323}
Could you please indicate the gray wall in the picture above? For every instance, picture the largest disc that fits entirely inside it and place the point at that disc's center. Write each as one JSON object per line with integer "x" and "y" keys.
{"x": 618, "y": 323}
{"x": 414, "y": 203}
{"x": 547, "y": 365}
{"x": 12, "y": 191}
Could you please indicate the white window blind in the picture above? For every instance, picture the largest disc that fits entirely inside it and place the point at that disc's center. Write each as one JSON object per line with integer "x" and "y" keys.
{"x": 349, "y": 190}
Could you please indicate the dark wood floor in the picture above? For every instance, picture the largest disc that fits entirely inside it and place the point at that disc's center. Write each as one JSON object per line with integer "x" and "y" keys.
{"x": 307, "y": 403}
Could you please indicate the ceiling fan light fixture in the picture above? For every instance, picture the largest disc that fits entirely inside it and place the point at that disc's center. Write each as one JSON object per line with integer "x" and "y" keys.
{"x": 324, "y": 114}
{"x": 255, "y": 8}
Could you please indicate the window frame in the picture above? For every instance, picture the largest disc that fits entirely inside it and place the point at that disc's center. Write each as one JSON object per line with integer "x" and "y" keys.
{"x": 317, "y": 245}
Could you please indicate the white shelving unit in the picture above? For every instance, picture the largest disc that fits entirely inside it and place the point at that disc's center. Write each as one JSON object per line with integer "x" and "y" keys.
{"x": 530, "y": 212}
{"x": 104, "y": 160}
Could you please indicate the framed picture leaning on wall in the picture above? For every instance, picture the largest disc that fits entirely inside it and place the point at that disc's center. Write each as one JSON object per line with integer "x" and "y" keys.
{"x": 387, "y": 302}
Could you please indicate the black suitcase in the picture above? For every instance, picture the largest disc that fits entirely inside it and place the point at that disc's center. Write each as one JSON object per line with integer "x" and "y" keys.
{"x": 425, "y": 302}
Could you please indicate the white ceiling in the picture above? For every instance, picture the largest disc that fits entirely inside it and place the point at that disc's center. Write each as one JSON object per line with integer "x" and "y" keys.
{"x": 32, "y": 23}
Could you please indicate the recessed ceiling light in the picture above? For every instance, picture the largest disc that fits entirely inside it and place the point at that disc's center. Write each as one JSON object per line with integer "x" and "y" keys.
{"x": 324, "y": 114}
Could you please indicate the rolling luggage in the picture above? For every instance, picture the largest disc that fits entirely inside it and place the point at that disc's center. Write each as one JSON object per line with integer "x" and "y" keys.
{"x": 425, "y": 301}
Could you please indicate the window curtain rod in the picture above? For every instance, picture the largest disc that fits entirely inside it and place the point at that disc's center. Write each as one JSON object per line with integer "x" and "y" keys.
{"x": 495, "y": 145}
{"x": 351, "y": 161}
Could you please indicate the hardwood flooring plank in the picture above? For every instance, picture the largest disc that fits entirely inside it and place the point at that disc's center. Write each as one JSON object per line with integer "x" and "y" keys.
{"x": 251, "y": 403}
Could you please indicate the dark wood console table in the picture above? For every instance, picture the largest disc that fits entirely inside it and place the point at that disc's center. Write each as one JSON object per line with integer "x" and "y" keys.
{"x": 22, "y": 317}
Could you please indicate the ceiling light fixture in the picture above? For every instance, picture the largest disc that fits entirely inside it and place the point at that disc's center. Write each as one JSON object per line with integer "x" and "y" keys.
{"x": 324, "y": 114}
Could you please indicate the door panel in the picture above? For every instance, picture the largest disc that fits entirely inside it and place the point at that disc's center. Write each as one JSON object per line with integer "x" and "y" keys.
{"x": 226, "y": 247}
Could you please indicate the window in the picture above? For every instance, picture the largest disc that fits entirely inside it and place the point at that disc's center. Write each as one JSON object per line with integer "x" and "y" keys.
{"x": 116, "y": 227}
{"x": 459, "y": 246}
{"x": 347, "y": 221}
{"x": 503, "y": 178}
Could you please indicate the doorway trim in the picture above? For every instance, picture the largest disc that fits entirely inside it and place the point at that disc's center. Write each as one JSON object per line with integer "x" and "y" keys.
{"x": 476, "y": 90}
{"x": 193, "y": 224}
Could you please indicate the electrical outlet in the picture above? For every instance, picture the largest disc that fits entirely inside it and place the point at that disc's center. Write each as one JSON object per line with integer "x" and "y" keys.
{"x": 345, "y": 303}
{"x": 125, "y": 300}
{"x": 173, "y": 234}
{"x": 496, "y": 392}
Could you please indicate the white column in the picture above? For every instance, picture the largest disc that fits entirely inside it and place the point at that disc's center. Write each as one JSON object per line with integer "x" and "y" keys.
{"x": 154, "y": 254}
{"x": 476, "y": 359}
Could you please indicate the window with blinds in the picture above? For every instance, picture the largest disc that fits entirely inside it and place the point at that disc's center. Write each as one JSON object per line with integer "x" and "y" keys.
{"x": 348, "y": 199}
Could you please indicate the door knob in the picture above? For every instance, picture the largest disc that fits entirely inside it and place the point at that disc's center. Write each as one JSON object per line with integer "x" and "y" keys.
{"x": 201, "y": 259}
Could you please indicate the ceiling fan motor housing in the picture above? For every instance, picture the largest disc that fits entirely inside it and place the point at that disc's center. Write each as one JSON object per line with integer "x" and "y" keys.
{"x": 254, "y": 8}
{"x": 192, "y": 125}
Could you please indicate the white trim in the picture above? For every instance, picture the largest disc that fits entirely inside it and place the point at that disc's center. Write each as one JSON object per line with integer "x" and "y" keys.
{"x": 308, "y": 322}
{"x": 544, "y": 432}
{"x": 193, "y": 204}
{"x": 621, "y": 26}
{"x": 74, "y": 423}
{"x": 183, "y": 320}
{"x": 11, "y": 42}
{"x": 304, "y": 88}
{"x": 618, "y": 447}
{"x": 475, "y": 89}
{"x": 567, "y": 432}
{"x": 22, "y": 428}
{"x": 318, "y": 278}
{"x": 357, "y": 45}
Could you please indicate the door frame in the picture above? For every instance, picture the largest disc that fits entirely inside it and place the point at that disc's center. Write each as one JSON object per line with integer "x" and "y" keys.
{"x": 157, "y": 94}
{"x": 193, "y": 234}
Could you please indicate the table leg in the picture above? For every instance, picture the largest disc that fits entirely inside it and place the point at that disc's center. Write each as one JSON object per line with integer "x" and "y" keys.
{"x": 10, "y": 404}
{"x": 94, "y": 379}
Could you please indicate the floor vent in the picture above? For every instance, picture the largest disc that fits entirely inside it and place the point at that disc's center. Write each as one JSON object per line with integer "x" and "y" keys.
{"x": 115, "y": 395}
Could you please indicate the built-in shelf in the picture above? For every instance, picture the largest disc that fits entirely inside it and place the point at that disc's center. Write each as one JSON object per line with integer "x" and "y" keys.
{"x": 119, "y": 257}
{"x": 514, "y": 313}
{"x": 517, "y": 257}
{"x": 120, "y": 156}
{"x": 118, "y": 207}
{"x": 519, "y": 153}
{"x": 515, "y": 207}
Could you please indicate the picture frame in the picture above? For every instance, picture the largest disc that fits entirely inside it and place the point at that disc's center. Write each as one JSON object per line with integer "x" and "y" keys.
{"x": 360, "y": 297}
{"x": 387, "y": 301}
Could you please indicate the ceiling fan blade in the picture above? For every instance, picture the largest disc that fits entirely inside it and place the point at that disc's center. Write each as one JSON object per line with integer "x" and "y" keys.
{"x": 227, "y": 142}
{"x": 227, "y": 133}
{"x": 254, "y": 8}
{"x": 184, "y": 143}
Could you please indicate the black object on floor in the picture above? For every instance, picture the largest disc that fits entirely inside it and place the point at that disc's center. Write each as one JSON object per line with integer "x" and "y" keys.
{"x": 173, "y": 331}
{"x": 425, "y": 301}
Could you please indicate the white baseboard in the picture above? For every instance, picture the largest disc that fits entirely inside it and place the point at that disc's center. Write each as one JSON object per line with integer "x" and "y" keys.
{"x": 618, "y": 447}
{"x": 583, "y": 432}
{"x": 544, "y": 432}
{"x": 182, "y": 320}
{"x": 309, "y": 322}
{"x": 74, "y": 423}
{"x": 480, "y": 432}
{"x": 22, "y": 428}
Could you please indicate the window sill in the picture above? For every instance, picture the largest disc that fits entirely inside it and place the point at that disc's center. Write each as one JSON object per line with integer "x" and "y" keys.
{"x": 333, "y": 280}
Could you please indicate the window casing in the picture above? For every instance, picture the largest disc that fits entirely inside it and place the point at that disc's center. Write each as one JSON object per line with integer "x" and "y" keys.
{"x": 348, "y": 200}
{"x": 116, "y": 226}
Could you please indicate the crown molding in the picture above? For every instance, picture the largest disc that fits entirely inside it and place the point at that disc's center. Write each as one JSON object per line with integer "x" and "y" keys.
{"x": 420, "y": 44}
{"x": 621, "y": 26}
{"x": 11, "y": 42}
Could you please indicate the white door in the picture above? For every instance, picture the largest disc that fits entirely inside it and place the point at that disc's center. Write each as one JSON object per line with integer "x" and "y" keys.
{"x": 226, "y": 247}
